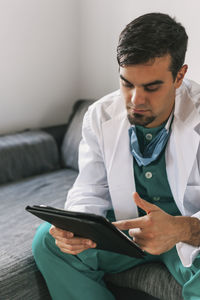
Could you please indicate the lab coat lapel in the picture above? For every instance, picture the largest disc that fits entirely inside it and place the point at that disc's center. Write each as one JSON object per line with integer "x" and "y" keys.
{"x": 182, "y": 147}
{"x": 119, "y": 164}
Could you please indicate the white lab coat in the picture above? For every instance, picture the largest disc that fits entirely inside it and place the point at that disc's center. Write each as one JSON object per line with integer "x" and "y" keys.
{"x": 106, "y": 178}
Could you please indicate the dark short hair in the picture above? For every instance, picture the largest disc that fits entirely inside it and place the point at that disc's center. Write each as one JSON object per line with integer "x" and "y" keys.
{"x": 153, "y": 35}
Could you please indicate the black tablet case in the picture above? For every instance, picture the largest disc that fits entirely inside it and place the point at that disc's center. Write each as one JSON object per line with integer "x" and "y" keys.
{"x": 91, "y": 226}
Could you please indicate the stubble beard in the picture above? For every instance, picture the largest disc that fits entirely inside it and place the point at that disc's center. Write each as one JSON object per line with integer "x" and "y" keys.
{"x": 139, "y": 119}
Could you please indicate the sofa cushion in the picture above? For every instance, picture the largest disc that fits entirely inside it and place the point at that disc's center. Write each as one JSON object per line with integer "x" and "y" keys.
{"x": 153, "y": 278}
{"x": 72, "y": 138}
{"x": 26, "y": 154}
{"x": 19, "y": 277}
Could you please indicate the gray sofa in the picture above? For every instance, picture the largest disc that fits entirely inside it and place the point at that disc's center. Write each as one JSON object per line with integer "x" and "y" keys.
{"x": 39, "y": 167}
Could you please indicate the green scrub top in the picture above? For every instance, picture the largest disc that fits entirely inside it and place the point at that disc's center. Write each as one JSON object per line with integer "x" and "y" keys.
{"x": 151, "y": 180}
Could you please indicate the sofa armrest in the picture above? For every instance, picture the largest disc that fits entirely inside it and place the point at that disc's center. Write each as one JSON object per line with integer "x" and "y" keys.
{"x": 73, "y": 135}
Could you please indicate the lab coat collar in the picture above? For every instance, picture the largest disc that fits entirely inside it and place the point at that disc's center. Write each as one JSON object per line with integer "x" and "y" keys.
{"x": 187, "y": 104}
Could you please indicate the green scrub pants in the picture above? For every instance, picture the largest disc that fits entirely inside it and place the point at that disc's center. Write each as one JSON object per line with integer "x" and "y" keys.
{"x": 80, "y": 277}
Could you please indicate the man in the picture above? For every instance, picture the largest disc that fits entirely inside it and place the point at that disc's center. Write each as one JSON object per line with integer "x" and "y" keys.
{"x": 140, "y": 157}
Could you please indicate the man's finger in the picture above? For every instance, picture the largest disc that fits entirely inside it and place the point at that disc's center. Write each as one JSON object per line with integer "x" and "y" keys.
{"x": 132, "y": 223}
{"x": 133, "y": 232}
{"x": 55, "y": 232}
{"x": 143, "y": 204}
{"x": 75, "y": 241}
{"x": 71, "y": 250}
{"x": 74, "y": 247}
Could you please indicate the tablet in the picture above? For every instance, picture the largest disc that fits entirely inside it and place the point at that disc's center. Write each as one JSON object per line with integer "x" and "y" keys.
{"x": 91, "y": 226}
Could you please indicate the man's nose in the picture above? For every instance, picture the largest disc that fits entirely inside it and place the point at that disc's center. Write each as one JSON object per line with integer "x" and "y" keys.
{"x": 137, "y": 97}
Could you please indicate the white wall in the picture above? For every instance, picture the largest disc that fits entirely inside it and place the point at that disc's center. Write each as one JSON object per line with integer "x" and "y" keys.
{"x": 53, "y": 52}
{"x": 101, "y": 23}
{"x": 38, "y": 62}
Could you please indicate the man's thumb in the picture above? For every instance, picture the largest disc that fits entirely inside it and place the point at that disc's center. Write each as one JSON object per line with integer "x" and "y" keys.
{"x": 143, "y": 204}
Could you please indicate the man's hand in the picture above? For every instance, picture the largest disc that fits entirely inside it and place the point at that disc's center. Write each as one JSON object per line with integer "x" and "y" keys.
{"x": 157, "y": 231}
{"x": 67, "y": 243}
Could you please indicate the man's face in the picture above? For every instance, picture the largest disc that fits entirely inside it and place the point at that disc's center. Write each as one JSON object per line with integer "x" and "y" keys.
{"x": 149, "y": 91}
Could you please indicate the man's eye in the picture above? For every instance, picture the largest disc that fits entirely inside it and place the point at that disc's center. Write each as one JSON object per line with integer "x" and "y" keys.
{"x": 126, "y": 84}
{"x": 151, "y": 88}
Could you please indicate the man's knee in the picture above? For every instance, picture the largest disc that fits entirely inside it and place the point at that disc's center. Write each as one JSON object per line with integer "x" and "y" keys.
{"x": 39, "y": 245}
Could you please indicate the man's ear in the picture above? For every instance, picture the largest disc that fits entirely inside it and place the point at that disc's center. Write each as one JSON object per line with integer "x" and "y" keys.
{"x": 180, "y": 76}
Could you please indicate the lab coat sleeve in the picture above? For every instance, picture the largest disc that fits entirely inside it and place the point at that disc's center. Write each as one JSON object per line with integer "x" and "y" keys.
{"x": 187, "y": 253}
{"x": 90, "y": 191}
